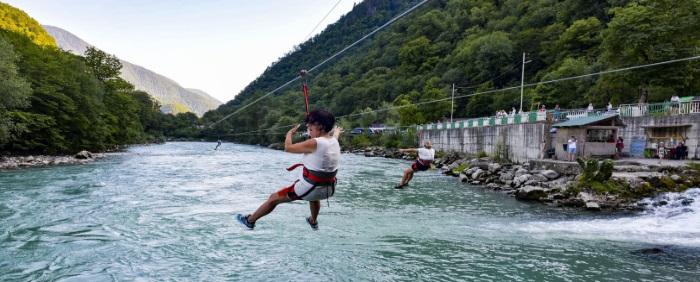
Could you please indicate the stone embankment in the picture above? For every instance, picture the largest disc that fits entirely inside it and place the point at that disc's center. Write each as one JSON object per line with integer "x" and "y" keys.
{"x": 563, "y": 184}
{"x": 38, "y": 161}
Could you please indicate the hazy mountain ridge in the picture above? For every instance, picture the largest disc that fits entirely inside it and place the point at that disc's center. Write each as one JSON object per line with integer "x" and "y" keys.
{"x": 169, "y": 93}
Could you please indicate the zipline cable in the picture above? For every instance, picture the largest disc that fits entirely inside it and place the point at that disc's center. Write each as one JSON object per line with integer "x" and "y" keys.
{"x": 496, "y": 90}
{"x": 321, "y": 63}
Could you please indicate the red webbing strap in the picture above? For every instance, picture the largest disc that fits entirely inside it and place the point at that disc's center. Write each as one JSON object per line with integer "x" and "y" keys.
{"x": 294, "y": 166}
{"x": 306, "y": 97}
{"x": 305, "y": 88}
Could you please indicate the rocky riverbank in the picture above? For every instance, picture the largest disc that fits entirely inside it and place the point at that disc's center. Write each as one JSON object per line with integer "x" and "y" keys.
{"x": 16, "y": 162}
{"x": 591, "y": 184}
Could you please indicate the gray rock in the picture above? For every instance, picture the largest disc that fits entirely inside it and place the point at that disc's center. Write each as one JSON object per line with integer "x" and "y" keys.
{"x": 494, "y": 167}
{"x": 586, "y": 197}
{"x": 550, "y": 174}
{"x": 463, "y": 177}
{"x": 478, "y": 174}
{"x": 82, "y": 155}
{"x": 676, "y": 178}
{"x": 506, "y": 176}
{"x": 539, "y": 178}
{"x": 520, "y": 180}
{"x": 521, "y": 171}
{"x": 592, "y": 206}
{"x": 530, "y": 193}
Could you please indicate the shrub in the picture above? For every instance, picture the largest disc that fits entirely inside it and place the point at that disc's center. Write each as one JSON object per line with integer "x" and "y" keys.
{"x": 481, "y": 154}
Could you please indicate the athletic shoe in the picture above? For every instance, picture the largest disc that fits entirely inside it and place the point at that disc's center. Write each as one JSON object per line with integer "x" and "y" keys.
{"x": 313, "y": 226}
{"x": 244, "y": 220}
{"x": 400, "y": 186}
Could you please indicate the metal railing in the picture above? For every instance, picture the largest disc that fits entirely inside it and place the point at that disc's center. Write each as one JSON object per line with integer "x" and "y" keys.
{"x": 625, "y": 110}
{"x": 660, "y": 109}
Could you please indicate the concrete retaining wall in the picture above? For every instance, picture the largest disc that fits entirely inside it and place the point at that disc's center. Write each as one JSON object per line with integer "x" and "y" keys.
{"x": 634, "y": 130}
{"x": 519, "y": 142}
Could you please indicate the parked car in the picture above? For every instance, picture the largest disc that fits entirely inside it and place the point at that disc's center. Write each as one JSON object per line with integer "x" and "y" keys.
{"x": 357, "y": 130}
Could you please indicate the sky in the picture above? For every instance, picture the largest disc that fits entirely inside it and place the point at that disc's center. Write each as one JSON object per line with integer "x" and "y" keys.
{"x": 218, "y": 46}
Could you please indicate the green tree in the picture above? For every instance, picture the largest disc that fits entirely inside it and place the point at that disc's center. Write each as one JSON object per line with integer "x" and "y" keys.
{"x": 14, "y": 90}
{"x": 648, "y": 31}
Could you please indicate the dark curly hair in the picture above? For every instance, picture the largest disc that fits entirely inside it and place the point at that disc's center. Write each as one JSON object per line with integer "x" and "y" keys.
{"x": 321, "y": 117}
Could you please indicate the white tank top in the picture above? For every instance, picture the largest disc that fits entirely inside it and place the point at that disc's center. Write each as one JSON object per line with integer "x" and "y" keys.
{"x": 325, "y": 157}
{"x": 426, "y": 154}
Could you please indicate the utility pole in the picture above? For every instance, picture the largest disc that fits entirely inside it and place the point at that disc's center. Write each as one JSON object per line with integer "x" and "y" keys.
{"x": 452, "y": 108}
{"x": 522, "y": 83}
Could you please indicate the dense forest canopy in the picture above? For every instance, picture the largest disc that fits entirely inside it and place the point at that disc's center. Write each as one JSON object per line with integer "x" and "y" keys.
{"x": 477, "y": 45}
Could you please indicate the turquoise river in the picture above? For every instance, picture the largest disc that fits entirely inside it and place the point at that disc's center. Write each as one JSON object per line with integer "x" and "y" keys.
{"x": 165, "y": 213}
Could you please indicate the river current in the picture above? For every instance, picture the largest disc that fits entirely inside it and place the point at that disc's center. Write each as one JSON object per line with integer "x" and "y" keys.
{"x": 165, "y": 212}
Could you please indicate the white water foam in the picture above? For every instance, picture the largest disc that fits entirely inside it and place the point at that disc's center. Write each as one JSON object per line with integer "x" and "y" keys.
{"x": 676, "y": 222}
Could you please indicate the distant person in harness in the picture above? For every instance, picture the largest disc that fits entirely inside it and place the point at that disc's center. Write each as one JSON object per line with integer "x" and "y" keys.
{"x": 218, "y": 143}
{"x": 426, "y": 155}
{"x": 320, "y": 165}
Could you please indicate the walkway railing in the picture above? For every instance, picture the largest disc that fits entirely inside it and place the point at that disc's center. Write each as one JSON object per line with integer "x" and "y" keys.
{"x": 660, "y": 109}
{"x": 625, "y": 110}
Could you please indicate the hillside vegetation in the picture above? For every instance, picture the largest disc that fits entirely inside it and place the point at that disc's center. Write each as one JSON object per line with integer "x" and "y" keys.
{"x": 16, "y": 20}
{"x": 477, "y": 45}
{"x": 55, "y": 102}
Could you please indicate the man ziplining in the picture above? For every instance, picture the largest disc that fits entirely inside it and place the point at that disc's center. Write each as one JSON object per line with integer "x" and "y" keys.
{"x": 426, "y": 155}
{"x": 320, "y": 165}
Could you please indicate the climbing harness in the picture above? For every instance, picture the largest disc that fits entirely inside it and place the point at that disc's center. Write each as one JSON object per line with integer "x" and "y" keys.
{"x": 316, "y": 179}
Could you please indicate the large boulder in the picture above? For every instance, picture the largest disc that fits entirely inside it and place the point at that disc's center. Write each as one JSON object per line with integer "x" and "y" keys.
{"x": 520, "y": 180}
{"x": 521, "y": 171}
{"x": 506, "y": 176}
{"x": 478, "y": 174}
{"x": 530, "y": 193}
{"x": 494, "y": 167}
{"x": 463, "y": 177}
{"x": 592, "y": 206}
{"x": 550, "y": 174}
{"x": 83, "y": 155}
{"x": 539, "y": 178}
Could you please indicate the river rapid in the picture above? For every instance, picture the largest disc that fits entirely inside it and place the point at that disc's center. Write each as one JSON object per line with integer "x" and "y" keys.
{"x": 165, "y": 212}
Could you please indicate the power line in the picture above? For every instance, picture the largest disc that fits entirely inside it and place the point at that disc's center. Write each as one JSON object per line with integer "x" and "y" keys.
{"x": 498, "y": 90}
{"x": 308, "y": 36}
{"x": 323, "y": 62}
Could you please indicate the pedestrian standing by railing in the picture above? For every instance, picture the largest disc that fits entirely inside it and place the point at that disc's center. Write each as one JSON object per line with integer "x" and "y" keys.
{"x": 571, "y": 148}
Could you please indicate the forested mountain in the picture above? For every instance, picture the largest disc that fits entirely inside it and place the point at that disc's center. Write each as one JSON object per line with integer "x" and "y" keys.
{"x": 170, "y": 94}
{"x": 477, "y": 45}
{"x": 55, "y": 102}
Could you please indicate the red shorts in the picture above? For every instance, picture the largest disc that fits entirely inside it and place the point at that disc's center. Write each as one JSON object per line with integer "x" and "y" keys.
{"x": 289, "y": 192}
{"x": 419, "y": 166}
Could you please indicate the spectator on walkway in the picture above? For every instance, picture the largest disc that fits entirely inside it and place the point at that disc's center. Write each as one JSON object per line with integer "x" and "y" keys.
{"x": 610, "y": 107}
{"x": 619, "y": 145}
{"x": 557, "y": 112}
{"x": 590, "y": 107}
{"x": 675, "y": 103}
{"x": 543, "y": 108}
{"x": 512, "y": 112}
